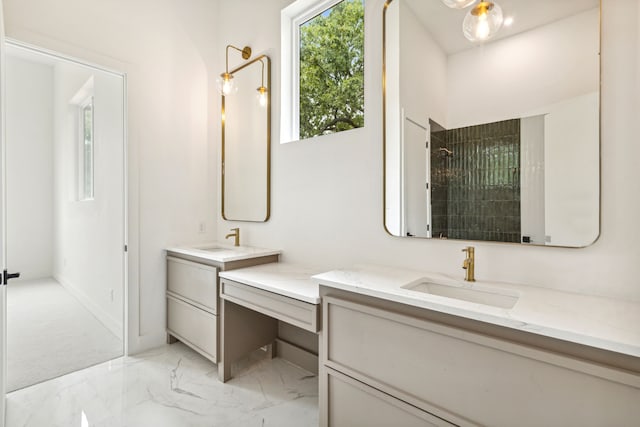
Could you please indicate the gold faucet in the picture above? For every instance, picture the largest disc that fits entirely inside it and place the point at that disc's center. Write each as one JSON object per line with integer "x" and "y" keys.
{"x": 469, "y": 264}
{"x": 236, "y": 234}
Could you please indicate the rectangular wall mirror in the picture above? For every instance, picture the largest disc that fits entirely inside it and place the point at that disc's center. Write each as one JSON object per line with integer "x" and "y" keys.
{"x": 498, "y": 139}
{"x": 246, "y": 143}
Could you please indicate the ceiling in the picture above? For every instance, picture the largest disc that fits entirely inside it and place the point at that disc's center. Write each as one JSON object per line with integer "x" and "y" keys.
{"x": 445, "y": 24}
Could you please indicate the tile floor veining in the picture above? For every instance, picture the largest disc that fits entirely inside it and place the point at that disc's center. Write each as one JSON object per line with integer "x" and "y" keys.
{"x": 170, "y": 386}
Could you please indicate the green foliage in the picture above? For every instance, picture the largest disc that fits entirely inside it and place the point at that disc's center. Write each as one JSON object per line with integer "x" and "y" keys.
{"x": 332, "y": 70}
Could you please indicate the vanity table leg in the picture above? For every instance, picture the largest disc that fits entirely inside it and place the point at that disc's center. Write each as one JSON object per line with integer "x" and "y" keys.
{"x": 171, "y": 339}
{"x": 224, "y": 372}
{"x": 242, "y": 331}
{"x": 271, "y": 350}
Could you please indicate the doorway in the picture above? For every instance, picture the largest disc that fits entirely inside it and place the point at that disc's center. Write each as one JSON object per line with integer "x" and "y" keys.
{"x": 66, "y": 214}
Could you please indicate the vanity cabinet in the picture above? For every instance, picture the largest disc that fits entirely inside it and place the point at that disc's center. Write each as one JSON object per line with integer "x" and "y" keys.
{"x": 444, "y": 370}
{"x": 193, "y": 282}
{"x": 192, "y": 295}
{"x": 354, "y": 404}
{"x": 195, "y": 327}
{"x": 192, "y": 302}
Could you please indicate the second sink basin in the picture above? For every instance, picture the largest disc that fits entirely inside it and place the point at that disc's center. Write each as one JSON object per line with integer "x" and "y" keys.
{"x": 501, "y": 298}
{"x": 213, "y": 249}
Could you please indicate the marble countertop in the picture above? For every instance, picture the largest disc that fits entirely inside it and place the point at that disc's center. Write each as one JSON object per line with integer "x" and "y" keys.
{"x": 222, "y": 252}
{"x": 290, "y": 280}
{"x": 593, "y": 321}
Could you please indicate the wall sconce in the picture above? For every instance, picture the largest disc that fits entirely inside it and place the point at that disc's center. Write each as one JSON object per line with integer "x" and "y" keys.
{"x": 225, "y": 82}
{"x": 458, "y": 4}
{"x": 262, "y": 90}
{"x": 482, "y": 21}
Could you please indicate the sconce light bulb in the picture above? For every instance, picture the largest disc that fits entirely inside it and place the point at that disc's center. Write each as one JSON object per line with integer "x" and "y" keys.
{"x": 482, "y": 21}
{"x": 226, "y": 84}
{"x": 262, "y": 96}
{"x": 226, "y": 87}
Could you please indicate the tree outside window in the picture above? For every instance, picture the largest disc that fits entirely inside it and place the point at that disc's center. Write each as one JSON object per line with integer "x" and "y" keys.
{"x": 332, "y": 70}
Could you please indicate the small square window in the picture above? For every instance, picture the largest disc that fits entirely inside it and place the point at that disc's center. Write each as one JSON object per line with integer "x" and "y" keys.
{"x": 323, "y": 92}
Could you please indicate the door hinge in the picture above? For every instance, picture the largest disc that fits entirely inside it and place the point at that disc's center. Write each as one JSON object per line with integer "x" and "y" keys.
{"x": 6, "y": 276}
{"x": 126, "y": 248}
{"x": 427, "y": 185}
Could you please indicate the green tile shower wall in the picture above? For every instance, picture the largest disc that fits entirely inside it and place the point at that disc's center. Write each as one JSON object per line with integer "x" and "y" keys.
{"x": 476, "y": 191}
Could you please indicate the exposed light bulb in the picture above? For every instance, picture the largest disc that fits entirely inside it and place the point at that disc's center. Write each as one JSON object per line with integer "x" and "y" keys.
{"x": 226, "y": 87}
{"x": 458, "y": 4}
{"x": 482, "y": 21}
{"x": 226, "y": 84}
{"x": 262, "y": 96}
{"x": 482, "y": 28}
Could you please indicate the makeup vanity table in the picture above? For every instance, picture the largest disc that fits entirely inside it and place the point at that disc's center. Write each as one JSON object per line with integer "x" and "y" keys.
{"x": 255, "y": 301}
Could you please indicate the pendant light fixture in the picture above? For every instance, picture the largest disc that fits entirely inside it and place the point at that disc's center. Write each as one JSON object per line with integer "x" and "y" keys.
{"x": 458, "y": 4}
{"x": 262, "y": 90}
{"x": 225, "y": 82}
{"x": 482, "y": 21}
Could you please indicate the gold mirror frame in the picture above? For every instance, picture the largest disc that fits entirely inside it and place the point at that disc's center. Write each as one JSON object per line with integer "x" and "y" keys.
{"x": 267, "y": 81}
{"x": 386, "y": 5}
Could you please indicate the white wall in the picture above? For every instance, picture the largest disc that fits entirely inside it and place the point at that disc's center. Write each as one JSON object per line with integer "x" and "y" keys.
{"x": 571, "y": 171}
{"x": 88, "y": 253}
{"x": 558, "y": 61}
{"x": 327, "y": 194}
{"x": 423, "y": 65}
{"x": 29, "y": 133}
{"x": 164, "y": 46}
{"x": 532, "y": 208}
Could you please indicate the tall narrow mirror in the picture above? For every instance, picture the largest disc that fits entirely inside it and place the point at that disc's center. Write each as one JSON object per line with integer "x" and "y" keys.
{"x": 492, "y": 120}
{"x": 246, "y": 142}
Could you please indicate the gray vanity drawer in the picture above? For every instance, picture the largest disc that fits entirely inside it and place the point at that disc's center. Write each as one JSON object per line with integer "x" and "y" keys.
{"x": 464, "y": 377}
{"x": 354, "y": 404}
{"x": 194, "y": 282}
{"x": 193, "y": 326}
{"x": 290, "y": 310}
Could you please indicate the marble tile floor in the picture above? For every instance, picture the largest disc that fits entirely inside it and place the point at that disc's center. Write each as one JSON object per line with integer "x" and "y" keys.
{"x": 171, "y": 386}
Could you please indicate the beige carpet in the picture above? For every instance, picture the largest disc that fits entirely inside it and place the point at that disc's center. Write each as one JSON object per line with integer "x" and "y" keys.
{"x": 50, "y": 333}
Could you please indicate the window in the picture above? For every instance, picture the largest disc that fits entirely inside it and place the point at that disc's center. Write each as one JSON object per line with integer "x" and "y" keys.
{"x": 86, "y": 149}
{"x": 323, "y": 89}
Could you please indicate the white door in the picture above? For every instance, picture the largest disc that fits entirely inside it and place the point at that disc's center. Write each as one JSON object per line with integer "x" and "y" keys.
{"x": 3, "y": 228}
{"x": 416, "y": 179}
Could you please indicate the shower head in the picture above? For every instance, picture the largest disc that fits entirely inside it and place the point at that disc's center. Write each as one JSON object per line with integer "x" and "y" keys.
{"x": 445, "y": 152}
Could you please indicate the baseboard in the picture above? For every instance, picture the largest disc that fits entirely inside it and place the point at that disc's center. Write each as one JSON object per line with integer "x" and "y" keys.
{"x": 146, "y": 342}
{"x": 113, "y": 325}
{"x": 297, "y": 355}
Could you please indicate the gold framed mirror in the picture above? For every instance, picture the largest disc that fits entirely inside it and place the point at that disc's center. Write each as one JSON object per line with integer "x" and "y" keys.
{"x": 498, "y": 139}
{"x": 246, "y": 143}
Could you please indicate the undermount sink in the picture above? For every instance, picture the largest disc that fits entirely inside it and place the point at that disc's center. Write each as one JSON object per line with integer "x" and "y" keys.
{"x": 213, "y": 249}
{"x": 501, "y": 298}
